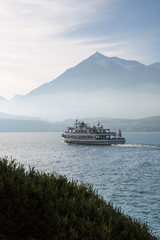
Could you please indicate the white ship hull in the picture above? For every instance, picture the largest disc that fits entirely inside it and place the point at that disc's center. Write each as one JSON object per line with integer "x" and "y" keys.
{"x": 94, "y": 142}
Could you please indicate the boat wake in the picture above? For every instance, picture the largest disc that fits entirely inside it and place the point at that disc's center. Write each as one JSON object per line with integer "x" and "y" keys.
{"x": 138, "y": 146}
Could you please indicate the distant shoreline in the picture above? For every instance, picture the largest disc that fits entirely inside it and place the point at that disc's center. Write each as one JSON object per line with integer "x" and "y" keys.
{"x": 150, "y": 124}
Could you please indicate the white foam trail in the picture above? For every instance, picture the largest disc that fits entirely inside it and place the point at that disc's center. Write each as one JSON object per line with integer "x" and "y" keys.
{"x": 138, "y": 146}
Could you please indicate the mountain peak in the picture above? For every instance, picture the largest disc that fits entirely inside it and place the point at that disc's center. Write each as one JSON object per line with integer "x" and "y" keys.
{"x": 98, "y": 55}
{"x": 103, "y": 60}
{"x": 99, "y": 59}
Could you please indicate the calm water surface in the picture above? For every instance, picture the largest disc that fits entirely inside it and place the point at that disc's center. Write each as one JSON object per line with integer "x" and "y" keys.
{"x": 128, "y": 175}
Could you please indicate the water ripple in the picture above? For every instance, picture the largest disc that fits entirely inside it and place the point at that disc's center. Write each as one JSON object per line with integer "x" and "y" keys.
{"x": 128, "y": 175}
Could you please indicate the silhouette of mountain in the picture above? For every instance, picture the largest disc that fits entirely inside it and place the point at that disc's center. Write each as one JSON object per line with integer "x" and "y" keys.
{"x": 99, "y": 72}
{"x": 98, "y": 86}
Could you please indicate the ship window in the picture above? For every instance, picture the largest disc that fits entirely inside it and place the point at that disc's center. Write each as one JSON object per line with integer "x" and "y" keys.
{"x": 100, "y": 137}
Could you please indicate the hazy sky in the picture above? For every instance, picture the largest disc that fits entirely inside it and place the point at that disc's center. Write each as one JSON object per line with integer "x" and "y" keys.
{"x": 40, "y": 39}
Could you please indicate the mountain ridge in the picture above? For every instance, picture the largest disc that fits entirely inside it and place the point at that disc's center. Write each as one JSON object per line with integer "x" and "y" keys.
{"x": 100, "y": 58}
{"x": 99, "y": 71}
{"x": 97, "y": 58}
{"x": 97, "y": 86}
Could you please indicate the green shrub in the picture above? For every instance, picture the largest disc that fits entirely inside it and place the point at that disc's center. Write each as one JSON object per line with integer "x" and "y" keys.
{"x": 36, "y": 205}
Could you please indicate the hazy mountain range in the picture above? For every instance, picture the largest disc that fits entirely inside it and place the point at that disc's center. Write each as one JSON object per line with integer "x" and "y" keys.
{"x": 11, "y": 123}
{"x": 98, "y": 86}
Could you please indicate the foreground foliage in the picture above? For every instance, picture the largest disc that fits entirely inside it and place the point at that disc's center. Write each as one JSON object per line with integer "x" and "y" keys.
{"x": 36, "y": 205}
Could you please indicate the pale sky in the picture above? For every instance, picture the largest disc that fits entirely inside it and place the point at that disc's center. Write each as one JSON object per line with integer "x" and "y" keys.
{"x": 40, "y": 39}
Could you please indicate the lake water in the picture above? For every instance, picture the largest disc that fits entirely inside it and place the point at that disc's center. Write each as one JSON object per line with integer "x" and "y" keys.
{"x": 127, "y": 175}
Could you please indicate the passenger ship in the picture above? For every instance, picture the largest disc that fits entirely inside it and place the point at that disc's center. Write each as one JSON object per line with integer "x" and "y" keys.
{"x": 83, "y": 133}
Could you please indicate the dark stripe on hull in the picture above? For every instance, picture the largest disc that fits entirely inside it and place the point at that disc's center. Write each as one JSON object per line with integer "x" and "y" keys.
{"x": 96, "y": 142}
